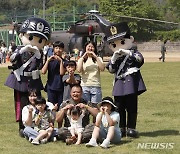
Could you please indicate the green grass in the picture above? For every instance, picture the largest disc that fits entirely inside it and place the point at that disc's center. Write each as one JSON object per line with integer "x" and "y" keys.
{"x": 158, "y": 116}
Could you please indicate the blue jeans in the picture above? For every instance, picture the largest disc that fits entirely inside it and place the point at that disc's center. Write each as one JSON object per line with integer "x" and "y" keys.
{"x": 103, "y": 134}
{"x": 31, "y": 134}
{"x": 92, "y": 94}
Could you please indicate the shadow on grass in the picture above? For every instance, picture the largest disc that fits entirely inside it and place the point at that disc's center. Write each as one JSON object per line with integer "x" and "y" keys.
{"x": 159, "y": 133}
{"x": 121, "y": 143}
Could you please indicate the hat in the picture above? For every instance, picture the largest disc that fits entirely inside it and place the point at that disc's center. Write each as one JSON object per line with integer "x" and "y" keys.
{"x": 117, "y": 31}
{"x": 107, "y": 100}
{"x": 36, "y": 27}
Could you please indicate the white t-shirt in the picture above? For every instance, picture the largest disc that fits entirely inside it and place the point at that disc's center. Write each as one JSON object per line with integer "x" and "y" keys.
{"x": 91, "y": 73}
{"x": 3, "y": 49}
{"x": 115, "y": 117}
{"x": 45, "y": 50}
{"x": 25, "y": 112}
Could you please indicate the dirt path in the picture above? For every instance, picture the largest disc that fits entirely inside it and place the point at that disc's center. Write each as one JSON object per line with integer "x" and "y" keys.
{"x": 154, "y": 56}
{"x": 148, "y": 56}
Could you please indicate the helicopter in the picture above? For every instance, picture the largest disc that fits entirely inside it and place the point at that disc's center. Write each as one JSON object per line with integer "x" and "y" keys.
{"x": 90, "y": 28}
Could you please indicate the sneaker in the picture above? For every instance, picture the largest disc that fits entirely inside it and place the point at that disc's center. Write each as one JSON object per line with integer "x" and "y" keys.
{"x": 30, "y": 139}
{"x": 91, "y": 143}
{"x": 35, "y": 142}
{"x": 54, "y": 139}
{"x": 105, "y": 144}
{"x": 44, "y": 141}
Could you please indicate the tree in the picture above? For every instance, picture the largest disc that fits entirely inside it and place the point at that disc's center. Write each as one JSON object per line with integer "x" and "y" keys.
{"x": 142, "y": 29}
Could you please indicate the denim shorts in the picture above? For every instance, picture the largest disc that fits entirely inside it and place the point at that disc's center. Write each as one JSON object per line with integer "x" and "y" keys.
{"x": 103, "y": 134}
{"x": 92, "y": 94}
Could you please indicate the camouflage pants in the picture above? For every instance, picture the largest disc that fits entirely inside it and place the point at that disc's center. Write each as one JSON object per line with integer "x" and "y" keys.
{"x": 64, "y": 133}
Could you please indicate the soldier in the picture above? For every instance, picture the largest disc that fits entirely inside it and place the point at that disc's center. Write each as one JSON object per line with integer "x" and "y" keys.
{"x": 163, "y": 51}
{"x": 128, "y": 83}
{"x": 27, "y": 61}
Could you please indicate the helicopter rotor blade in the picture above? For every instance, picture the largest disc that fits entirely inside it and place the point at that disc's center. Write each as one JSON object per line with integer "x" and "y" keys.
{"x": 147, "y": 19}
{"x": 101, "y": 20}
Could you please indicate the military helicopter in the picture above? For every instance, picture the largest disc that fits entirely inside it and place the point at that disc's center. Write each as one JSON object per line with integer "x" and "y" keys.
{"x": 91, "y": 28}
{"x": 82, "y": 31}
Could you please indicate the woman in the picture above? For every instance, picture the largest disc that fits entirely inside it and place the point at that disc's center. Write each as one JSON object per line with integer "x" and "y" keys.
{"x": 90, "y": 65}
{"x": 107, "y": 125}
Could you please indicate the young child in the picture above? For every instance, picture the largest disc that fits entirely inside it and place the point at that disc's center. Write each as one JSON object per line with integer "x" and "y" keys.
{"x": 107, "y": 125}
{"x": 43, "y": 121}
{"x": 70, "y": 79}
{"x": 56, "y": 69}
{"x": 75, "y": 116}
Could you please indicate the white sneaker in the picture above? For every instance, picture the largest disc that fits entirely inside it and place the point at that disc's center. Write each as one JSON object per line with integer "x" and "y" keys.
{"x": 54, "y": 139}
{"x": 44, "y": 141}
{"x": 105, "y": 144}
{"x": 30, "y": 139}
{"x": 35, "y": 142}
{"x": 91, "y": 143}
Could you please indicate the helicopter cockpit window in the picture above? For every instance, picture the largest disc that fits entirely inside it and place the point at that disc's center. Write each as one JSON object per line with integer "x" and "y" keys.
{"x": 98, "y": 40}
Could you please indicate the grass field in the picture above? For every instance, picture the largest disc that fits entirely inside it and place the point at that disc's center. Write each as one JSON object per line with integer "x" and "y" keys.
{"x": 158, "y": 117}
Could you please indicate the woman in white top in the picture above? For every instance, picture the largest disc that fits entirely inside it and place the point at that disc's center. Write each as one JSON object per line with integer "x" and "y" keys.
{"x": 106, "y": 128}
{"x": 90, "y": 65}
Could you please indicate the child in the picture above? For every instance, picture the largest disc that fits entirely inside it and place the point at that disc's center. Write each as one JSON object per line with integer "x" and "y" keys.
{"x": 107, "y": 125}
{"x": 70, "y": 79}
{"x": 55, "y": 67}
{"x": 66, "y": 56}
{"x": 75, "y": 116}
{"x": 43, "y": 120}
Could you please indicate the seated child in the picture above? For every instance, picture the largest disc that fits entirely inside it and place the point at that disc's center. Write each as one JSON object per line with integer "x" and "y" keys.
{"x": 107, "y": 125}
{"x": 70, "y": 79}
{"x": 43, "y": 121}
{"x": 75, "y": 116}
